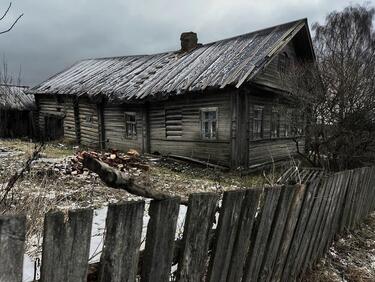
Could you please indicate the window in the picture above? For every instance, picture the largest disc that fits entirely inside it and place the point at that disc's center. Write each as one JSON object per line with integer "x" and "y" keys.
{"x": 130, "y": 125}
{"x": 209, "y": 123}
{"x": 173, "y": 123}
{"x": 288, "y": 123}
{"x": 275, "y": 123}
{"x": 258, "y": 122}
{"x": 283, "y": 62}
{"x": 298, "y": 123}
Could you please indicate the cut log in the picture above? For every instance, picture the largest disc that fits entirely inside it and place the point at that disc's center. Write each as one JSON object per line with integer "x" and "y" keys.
{"x": 118, "y": 180}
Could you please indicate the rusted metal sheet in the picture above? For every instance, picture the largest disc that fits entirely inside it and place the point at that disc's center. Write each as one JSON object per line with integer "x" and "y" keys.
{"x": 230, "y": 61}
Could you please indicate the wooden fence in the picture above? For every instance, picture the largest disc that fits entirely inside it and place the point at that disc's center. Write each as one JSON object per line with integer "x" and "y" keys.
{"x": 270, "y": 234}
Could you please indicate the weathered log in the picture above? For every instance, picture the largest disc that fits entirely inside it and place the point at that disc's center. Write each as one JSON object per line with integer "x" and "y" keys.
{"x": 116, "y": 179}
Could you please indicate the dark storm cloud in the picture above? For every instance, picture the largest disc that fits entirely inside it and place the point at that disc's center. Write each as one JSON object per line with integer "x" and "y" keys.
{"x": 54, "y": 34}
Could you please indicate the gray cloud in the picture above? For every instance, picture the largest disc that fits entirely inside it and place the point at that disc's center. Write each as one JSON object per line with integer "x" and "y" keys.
{"x": 54, "y": 34}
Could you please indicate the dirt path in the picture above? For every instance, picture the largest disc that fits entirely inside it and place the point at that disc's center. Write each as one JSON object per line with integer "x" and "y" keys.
{"x": 351, "y": 258}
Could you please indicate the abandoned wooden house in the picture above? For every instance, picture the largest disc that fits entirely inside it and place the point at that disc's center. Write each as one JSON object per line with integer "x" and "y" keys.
{"x": 16, "y": 112}
{"x": 222, "y": 102}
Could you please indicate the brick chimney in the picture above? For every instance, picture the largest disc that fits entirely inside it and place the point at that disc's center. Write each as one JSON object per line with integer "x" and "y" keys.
{"x": 189, "y": 41}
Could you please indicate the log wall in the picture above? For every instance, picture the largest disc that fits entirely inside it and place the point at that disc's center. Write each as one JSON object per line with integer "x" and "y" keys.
{"x": 62, "y": 108}
{"x": 189, "y": 142}
{"x": 115, "y": 126}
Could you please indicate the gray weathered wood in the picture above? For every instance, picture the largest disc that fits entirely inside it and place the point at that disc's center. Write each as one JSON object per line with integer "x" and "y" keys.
{"x": 198, "y": 224}
{"x": 66, "y": 246}
{"x": 12, "y": 240}
{"x": 241, "y": 246}
{"x": 259, "y": 243}
{"x": 119, "y": 260}
{"x": 160, "y": 237}
{"x": 276, "y": 233}
{"x": 296, "y": 245}
{"x": 225, "y": 235}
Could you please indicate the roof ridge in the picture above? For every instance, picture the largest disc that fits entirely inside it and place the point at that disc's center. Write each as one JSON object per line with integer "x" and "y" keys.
{"x": 204, "y": 44}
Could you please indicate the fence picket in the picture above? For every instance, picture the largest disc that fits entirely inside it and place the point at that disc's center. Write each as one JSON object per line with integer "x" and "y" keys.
{"x": 277, "y": 231}
{"x": 161, "y": 230}
{"x": 290, "y": 227}
{"x": 198, "y": 225}
{"x": 12, "y": 240}
{"x": 259, "y": 244}
{"x": 243, "y": 237}
{"x": 119, "y": 260}
{"x": 66, "y": 246}
{"x": 225, "y": 235}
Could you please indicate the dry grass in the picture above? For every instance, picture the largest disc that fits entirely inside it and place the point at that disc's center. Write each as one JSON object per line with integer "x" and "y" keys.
{"x": 351, "y": 258}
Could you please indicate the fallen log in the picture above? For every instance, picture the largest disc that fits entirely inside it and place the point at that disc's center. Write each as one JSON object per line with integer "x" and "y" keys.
{"x": 116, "y": 179}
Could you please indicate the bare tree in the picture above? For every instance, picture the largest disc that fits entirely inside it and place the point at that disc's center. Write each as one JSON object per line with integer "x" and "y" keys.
{"x": 13, "y": 23}
{"x": 337, "y": 93}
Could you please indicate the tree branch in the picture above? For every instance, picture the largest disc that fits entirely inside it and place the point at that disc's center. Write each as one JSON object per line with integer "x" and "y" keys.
{"x": 118, "y": 180}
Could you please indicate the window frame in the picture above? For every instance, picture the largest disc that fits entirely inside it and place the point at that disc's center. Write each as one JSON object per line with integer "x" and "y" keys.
{"x": 203, "y": 120}
{"x": 133, "y": 124}
{"x": 256, "y": 120}
{"x": 274, "y": 111}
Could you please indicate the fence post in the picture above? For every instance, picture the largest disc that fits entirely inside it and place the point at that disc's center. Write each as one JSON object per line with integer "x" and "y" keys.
{"x": 66, "y": 246}
{"x": 119, "y": 260}
{"x": 12, "y": 239}
{"x": 196, "y": 238}
{"x": 161, "y": 230}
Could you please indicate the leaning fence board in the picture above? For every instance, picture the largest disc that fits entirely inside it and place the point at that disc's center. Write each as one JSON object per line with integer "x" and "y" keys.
{"x": 243, "y": 237}
{"x": 66, "y": 246}
{"x": 160, "y": 237}
{"x": 286, "y": 240}
{"x": 198, "y": 224}
{"x": 119, "y": 260}
{"x": 12, "y": 240}
{"x": 276, "y": 233}
{"x": 327, "y": 226}
{"x": 319, "y": 224}
{"x": 259, "y": 244}
{"x": 307, "y": 234}
{"x": 225, "y": 235}
{"x": 344, "y": 219}
{"x": 296, "y": 246}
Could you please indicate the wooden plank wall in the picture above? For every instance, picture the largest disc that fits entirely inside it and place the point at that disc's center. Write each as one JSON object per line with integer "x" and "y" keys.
{"x": 62, "y": 108}
{"x": 269, "y": 149}
{"x": 271, "y": 234}
{"x": 114, "y": 124}
{"x": 190, "y": 143}
{"x": 270, "y": 76}
{"x": 89, "y": 123}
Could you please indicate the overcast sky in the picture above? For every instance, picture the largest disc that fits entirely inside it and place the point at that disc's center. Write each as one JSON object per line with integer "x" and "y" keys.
{"x": 53, "y": 34}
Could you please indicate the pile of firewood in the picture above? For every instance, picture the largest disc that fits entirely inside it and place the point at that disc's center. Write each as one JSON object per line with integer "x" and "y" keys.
{"x": 115, "y": 159}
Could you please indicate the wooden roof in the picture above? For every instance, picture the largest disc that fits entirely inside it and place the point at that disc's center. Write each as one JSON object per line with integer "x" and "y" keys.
{"x": 230, "y": 61}
{"x": 13, "y": 97}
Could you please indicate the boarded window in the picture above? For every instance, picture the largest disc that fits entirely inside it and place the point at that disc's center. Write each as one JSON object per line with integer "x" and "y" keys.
{"x": 275, "y": 123}
{"x": 173, "y": 123}
{"x": 130, "y": 125}
{"x": 209, "y": 123}
{"x": 258, "y": 122}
